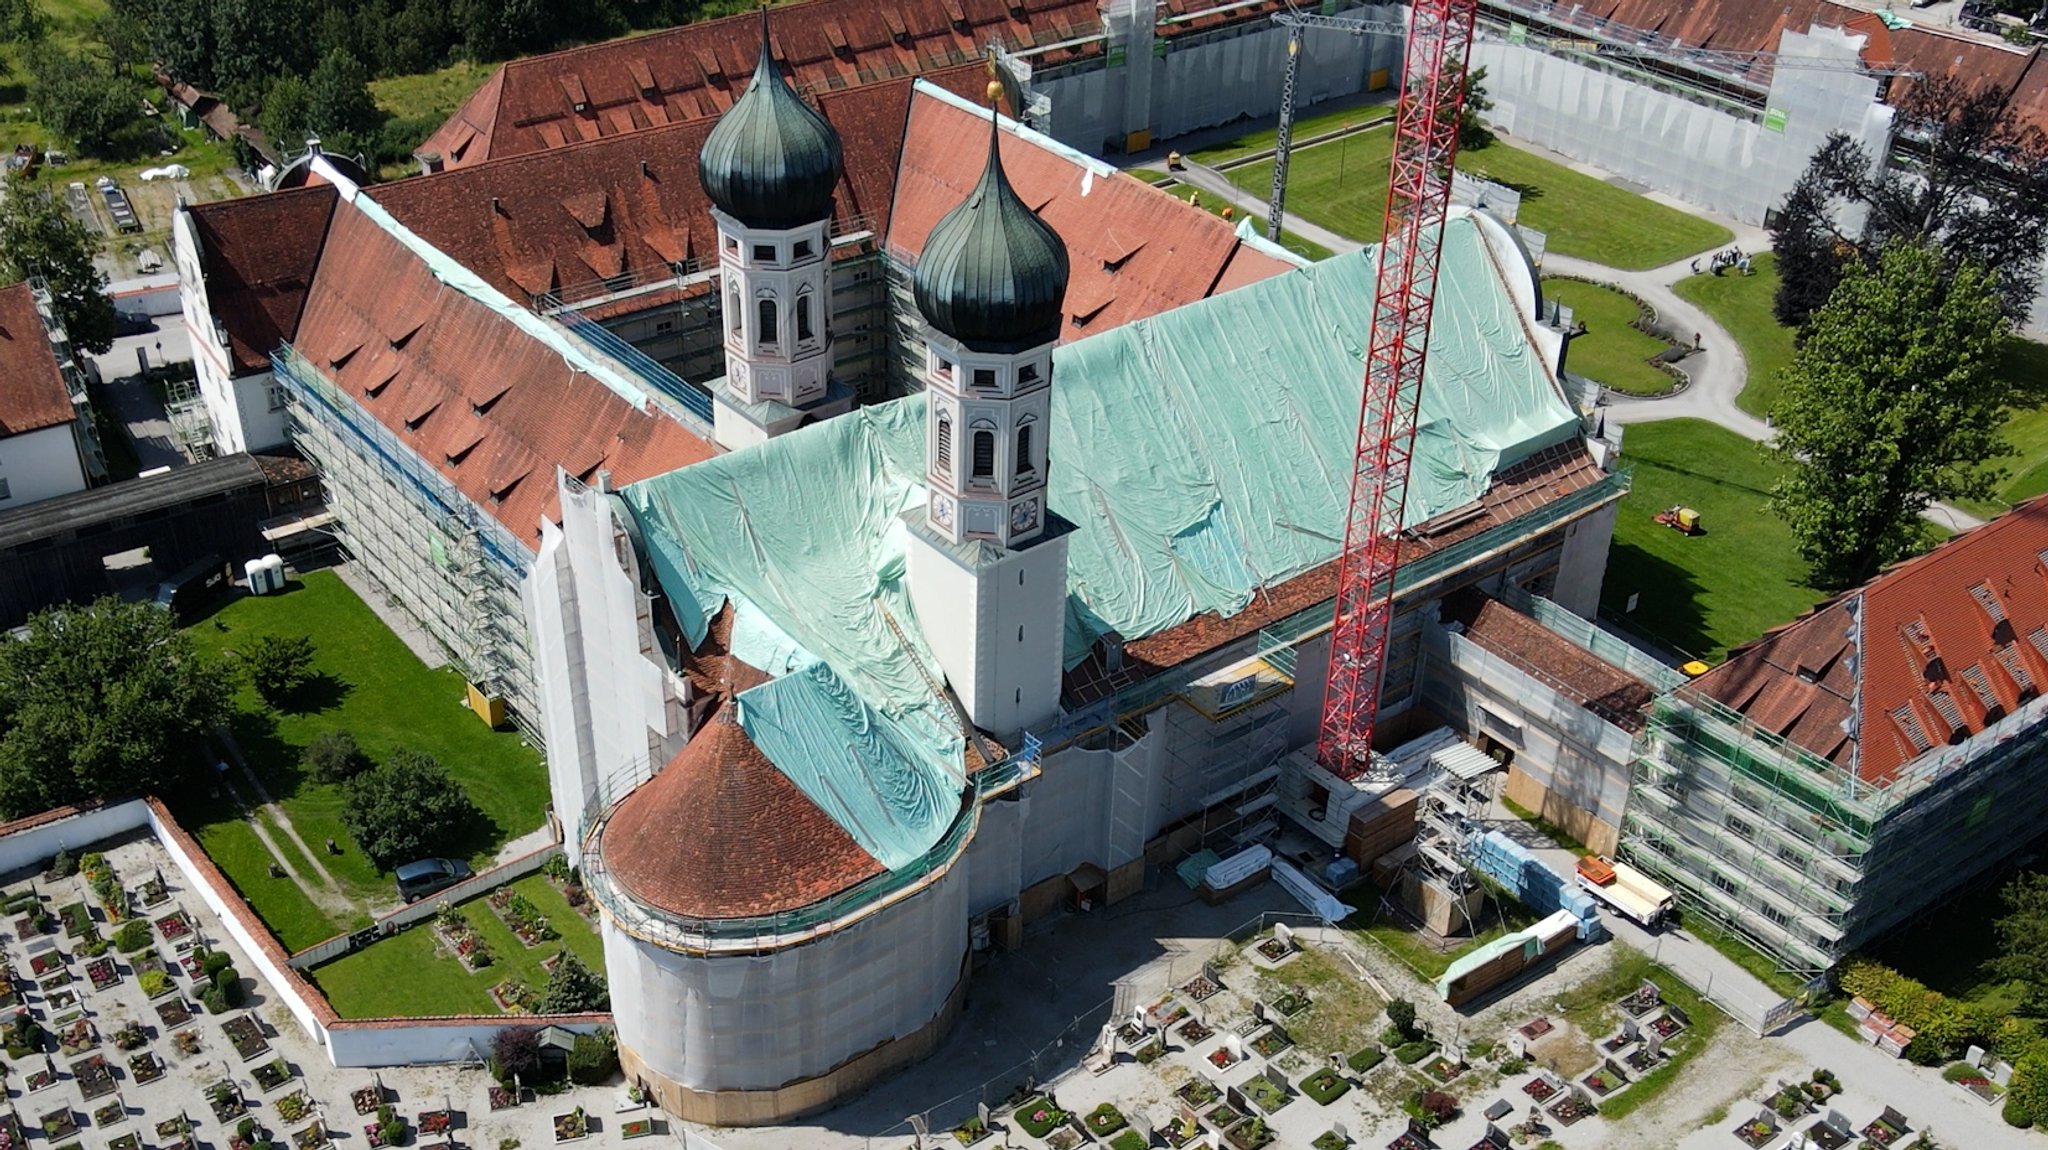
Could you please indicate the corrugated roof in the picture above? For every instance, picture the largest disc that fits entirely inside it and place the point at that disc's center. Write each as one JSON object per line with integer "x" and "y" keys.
{"x": 1947, "y": 648}
{"x": 696, "y": 71}
{"x": 33, "y": 394}
{"x": 258, "y": 254}
{"x": 1134, "y": 251}
{"x": 487, "y": 405}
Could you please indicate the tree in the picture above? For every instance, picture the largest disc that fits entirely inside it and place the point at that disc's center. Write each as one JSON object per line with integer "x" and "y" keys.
{"x": 2028, "y": 1090}
{"x": 22, "y": 22}
{"x": 593, "y": 1059}
{"x": 338, "y": 102}
{"x": 1978, "y": 191}
{"x": 334, "y": 757}
{"x": 1473, "y": 134}
{"x": 1401, "y": 1013}
{"x": 102, "y": 700}
{"x": 279, "y": 667}
{"x": 1892, "y": 401}
{"x": 407, "y": 809}
{"x": 515, "y": 1052}
{"x": 2023, "y": 940}
{"x": 39, "y": 237}
{"x": 573, "y": 988}
{"x": 287, "y": 114}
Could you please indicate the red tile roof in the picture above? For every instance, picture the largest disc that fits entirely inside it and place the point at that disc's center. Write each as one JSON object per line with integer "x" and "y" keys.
{"x": 1951, "y": 642}
{"x": 693, "y": 72}
{"x": 258, "y": 254}
{"x": 1135, "y": 251}
{"x": 632, "y": 205}
{"x": 491, "y": 408}
{"x": 720, "y": 832}
{"x": 33, "y": 394}
{"x": 1550, "y": 658}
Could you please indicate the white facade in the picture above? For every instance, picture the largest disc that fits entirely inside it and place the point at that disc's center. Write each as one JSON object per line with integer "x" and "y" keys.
{"x": 246, "y": 411}
{"x": 994, "y": 619}
{"x": 40, "y": 464}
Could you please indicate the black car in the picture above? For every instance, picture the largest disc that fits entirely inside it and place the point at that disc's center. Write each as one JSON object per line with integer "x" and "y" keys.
{"x": 417, "y": 880}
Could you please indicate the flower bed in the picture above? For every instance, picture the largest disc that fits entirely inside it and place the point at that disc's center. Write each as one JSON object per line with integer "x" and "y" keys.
{"x": 1196, "y": 1092}
{"x": 1666, "y": 1026}
{"x": 1105, "y": 1120}
{"x": 1065, "y": 1138}
{"x": 1273, "y": 950}
{"x": 1128, "y": 1140}
{"x": 42, "y": 1080}
{"x": 1641, "y": 1002}
{"x": 246, "y": 1035}
{"x": 174, "y": 1013}
{"x": 434, "y": 1123}
{"x": 1328, "y": 1140}
{"x": 1151, "y": 1052}
{"x": 366, "y": 1099}
{"x": 571, "y": 1127}
{"x": 103, "y": 973}
{"x": 1249, "y": 1135}
{"x": 1180, "y": 1132}
{"x": 1272, "y": 1042}
{"x": 42, "y": 964}
{"x": 503, "y": 1099}
{"x": 1220, "y": 1058}
{"x": 276, "y": 1073}
{"x": 173, "y": 1128}
{"x": 525, "y": 919}
{"x": 154, "y": 892}
{"x": 1826, "y": 1137}
{"x": 1882, "y": 1133}
{"x": 1411, "y": 1053}
{"x": 59, "y": 1124}
{"x": 95, "y": 1078}
{"x": 109, "y": 1114}
{"x": 1263, "y": 1093}
{"x": 294, "y": 1106}
{"x": 1604, "y": 1082}
{"x": 187, "y": 1041}
{"x": 311, "y": 1138}
{"x": 1443, "y": 1069}
{"x": 1364, "y": 1060}
{"x": 514, "y": 997}
{"x": 1200, "y": 988}
{"x": 1641, "y": 1060}
{"x": 76, "y": 919}
{"x": 1223, "y": 1116}
{"x": 145, "y": 1068}
{"x": 637, "y": 1128}
{"x": 129, "y": 1141}
{"x": 1291, "y": 1003}
{"x": 1571, "y": 1108}
{"x": 1193, "y": 1031}
{"x": 1755, "y": 1133}
{"x": 131, "y": 1036}
{"x": 77, "y": 1038}
{"x": 174, "y": 926}
{"x": 1325, "y": 1086}
{"x": 226, "y": 1102}
{"x": 1039, "y": 1116}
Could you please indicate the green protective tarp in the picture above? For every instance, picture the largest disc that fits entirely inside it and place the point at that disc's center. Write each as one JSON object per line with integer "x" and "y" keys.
{"x": 1525, "y": 941}
{"x": 1201, "y": 454}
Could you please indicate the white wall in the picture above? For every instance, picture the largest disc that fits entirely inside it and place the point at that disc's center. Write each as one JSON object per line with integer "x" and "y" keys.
{"x": 32, "y": 845}
{"x": 1583, "y": 565}
{"x": 40, "y": 465}
{"x": 433, "y": 1041}
{"x": 241, "y": 410}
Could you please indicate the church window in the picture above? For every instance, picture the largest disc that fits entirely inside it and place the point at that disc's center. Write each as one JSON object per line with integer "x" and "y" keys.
{"x": 803, "y": 317}
{"x": 1023, "y": 450}
{"x": 765, "y": 328}
{"x": 942, "y": 455}
{"x": 733, "y": 311}
{"x": 1028, "y": 373}
{"x": 765, "y": 253}
{"x": 984, "y": 377}
{"x": 801, "y": 250}
{"x": 984, "y": 454}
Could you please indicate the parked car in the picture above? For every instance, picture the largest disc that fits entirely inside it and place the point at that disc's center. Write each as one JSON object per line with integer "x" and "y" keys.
{"x": 418, "y": 879}
{"x": 129, "y": 323}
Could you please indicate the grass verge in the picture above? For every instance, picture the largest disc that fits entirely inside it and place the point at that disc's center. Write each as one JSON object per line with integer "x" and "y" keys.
{"x": 1592, "y": 1007}
{"x": 1305, "y": 127}
{"x": 1760, "y": 966}
{"x": 1702, "y": 594}
{"x": 1612, "y": 350}
{"x": 1408, "y": 944}
{"x": 1545, "y": 827}
{"x": 409, "y": 976}
{"x": 233, "y": 846}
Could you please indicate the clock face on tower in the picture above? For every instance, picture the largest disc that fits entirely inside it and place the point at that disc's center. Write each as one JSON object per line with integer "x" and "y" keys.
{"x": 1024, "y": 516}
{"x": 942, "y": 511}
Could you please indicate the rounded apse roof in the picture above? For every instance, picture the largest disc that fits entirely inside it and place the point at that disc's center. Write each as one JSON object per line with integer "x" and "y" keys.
{"x": 772, "y": 160}
{"x": 992, "y": 273}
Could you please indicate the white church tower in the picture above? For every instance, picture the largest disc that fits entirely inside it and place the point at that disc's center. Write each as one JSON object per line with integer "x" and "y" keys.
{"x": 988, "y": 559}
{"x": 770, "y": 167}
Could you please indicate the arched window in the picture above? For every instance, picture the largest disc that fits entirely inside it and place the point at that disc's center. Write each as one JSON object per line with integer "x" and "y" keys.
{"x": 1024, "y": 464}
{"x": 765, "y": 330}
{"x": 984, "y": 454}
{"x": 803, "y": 317}
{"x": 942, "y": 456}
{"x": 733, "y": 312}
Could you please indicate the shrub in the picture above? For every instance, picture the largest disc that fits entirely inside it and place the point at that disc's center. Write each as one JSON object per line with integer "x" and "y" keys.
{"x": 1438, "y": 1107}
{"x": 215, "y": 961}
{"x": 2015, "y": 1115}
{"x": 406, "y": 809}
{"x": 229, "y": 983}
{"x": 334, "y": 757}
{"x": 1414, "y": 1052}
{"x": 1401, "y": 1013}
{"x": 280, "y": 666}
{"x": 592, "y": 1060}
{"x": 1513, "y": 1066}
{"x": 516, "y": 1051}
{"x": 1366, "y": 1059}
{"x": 573, "y": 988}
{"x": 133, "y": 936}
{"x": 154, "y": 982}
{"x": 214, "y": 1001}
{"x": 246, "y": 1130}
{"x": 62, "y": 865}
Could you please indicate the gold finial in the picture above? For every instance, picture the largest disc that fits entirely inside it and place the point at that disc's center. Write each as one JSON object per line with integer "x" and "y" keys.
{"x": 995, "y": 93}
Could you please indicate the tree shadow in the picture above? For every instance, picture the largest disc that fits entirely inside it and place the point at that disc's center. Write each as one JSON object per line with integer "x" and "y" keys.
{"x": 1668, "y": 610}
{"x": 275, "y": 760}
{"x": 322, "y": 692}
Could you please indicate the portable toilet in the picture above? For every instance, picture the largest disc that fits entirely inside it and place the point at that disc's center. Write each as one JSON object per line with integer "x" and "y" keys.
{"x": 265, "y": 575}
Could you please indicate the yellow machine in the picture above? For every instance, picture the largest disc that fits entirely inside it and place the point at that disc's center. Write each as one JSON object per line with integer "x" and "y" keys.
{"x": 1684, "y": 520}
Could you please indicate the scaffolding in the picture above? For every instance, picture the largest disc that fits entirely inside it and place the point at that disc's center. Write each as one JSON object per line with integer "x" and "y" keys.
{"x": 1805, "y": 859}
{"x": 190, "y": 424}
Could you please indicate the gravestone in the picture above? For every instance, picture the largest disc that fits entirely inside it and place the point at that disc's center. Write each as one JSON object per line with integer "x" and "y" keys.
{"x": 1274, "y": 1075}
{"x": 1629, "y": 1030}
{"x": 2001, "y": 1072}
{"x": 1974, "y": 1055}
{"x": 1656, "y": 1044}
{"x": 1235, "y": 1046}
{"x": 1282, "y": 934}
{"x": 1836, "y": 1119}
{"x": 1143, "y": 1125}
{"x": 1517, "y": 1048}
{"x": 1237, "y": 1100}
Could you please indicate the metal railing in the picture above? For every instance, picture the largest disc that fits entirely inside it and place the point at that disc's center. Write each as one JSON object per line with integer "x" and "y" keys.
{"x": 602, "y": 340}
{"x": 1590, "y": 636}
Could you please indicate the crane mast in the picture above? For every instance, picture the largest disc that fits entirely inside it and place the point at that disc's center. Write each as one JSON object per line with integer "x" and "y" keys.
{"x": 1418, "y": 201}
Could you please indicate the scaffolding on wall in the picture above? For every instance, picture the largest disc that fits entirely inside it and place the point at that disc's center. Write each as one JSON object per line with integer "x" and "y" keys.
{"x": 190, "y": 424}
{"x": 452, "y": 568}
{"x": 1803, "y": 858}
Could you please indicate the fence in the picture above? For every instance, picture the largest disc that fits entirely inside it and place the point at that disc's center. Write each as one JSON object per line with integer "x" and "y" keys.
{"x": 411, "y": 913}
{"x": 600, "y": 339}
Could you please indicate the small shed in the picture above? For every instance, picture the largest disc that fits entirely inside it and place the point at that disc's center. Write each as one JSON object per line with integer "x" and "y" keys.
{"x": 555, "y": 1045}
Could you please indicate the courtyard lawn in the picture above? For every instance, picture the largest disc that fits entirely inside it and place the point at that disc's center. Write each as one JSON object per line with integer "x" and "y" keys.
{"x": 1742, "y": 304}
{"x": 1610, "y": 351}
{"x": 373, "y": 687}
{"x": 1702, "y": 594}
{"x": 1342, "y": 1008}
{"x": 1305, "y": 127}
{"x": 1342, "y": 185}
{"x": 234, "y": 848}
{"x": 1306, "y": 248}
{"x": 410, "y": 976}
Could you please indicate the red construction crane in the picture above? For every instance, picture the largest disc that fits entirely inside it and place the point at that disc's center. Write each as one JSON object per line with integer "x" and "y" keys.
{"x": 1418, "y": 200}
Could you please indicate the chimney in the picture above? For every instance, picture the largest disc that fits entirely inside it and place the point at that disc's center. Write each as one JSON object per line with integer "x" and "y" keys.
{"x": 430, "y": 162}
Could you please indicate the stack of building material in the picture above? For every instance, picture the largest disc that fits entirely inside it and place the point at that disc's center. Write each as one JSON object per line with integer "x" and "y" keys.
{"x": 1241, "y": 871}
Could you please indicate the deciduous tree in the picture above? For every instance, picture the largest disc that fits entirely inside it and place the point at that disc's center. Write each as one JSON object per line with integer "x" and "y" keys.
{"x": 1977, "y": 190}
{"x": 82, "y": 99}
{"x": 39, "y": 237}
{"x": 338, "y": 102}
{"x": 279, "y": 666}
{"x": 1893, "y": 400}
{"x": 407, "y": 809}
{"x": 573, "y": 988}
{"x": 101, "y": 700}
{"x": 2023, "y": 941}
{"x": 1473, "y": 134}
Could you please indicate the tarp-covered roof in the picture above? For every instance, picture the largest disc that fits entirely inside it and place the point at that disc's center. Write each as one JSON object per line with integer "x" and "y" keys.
{"x": 1202, "y": 454}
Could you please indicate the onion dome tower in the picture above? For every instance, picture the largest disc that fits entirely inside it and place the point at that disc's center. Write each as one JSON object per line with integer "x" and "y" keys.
{"x": 988, "y": 560}
{"x": 770, "y": 166}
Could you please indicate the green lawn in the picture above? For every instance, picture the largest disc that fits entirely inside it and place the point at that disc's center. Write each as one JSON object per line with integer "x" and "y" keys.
{"x": 1408, "y": 945}
{"x": 1702, "y": 594}
{"x": 373, "y": 687}
{"x": 1305, "y": 127}
{"x": 1307, "y": 248}
{"x": 1742, "y": 304}
{"x": 409, "y": 976}
{"x": 1342, "y": 186}
{"x": 1611, "y": 351}
{"x": 433, "y": 94}
{"x": 236, "y": 850}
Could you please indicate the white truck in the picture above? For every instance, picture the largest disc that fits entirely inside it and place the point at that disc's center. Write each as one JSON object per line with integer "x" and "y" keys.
{"x": 1626, "y": 889}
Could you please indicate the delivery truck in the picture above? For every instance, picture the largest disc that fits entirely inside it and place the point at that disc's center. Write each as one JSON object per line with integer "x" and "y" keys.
{"x": 1626, "y": 889}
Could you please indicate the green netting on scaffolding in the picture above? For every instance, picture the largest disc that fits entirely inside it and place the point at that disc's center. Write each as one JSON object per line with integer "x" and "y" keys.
{"x": 1202, "y": 454}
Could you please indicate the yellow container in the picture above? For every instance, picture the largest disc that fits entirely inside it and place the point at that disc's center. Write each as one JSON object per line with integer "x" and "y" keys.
{"x": 1138, "y": 141}
{"x": 489, "y": 708}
